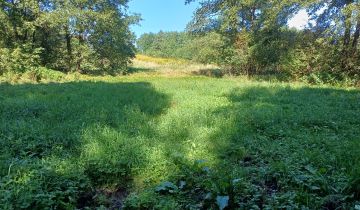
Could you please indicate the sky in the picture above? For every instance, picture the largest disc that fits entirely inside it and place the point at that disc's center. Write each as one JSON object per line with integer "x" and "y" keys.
{"x": 173, "y": 15}
{"x": 300, "y": 20}
{"x": 165, "y": 15}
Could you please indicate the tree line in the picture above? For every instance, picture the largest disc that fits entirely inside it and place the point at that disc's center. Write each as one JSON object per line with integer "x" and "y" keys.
{"x": 66, "y": 35}
{"x": 243, "y": 37}
{"x": 198, "y": 48}
{"x": 252, "y": 37}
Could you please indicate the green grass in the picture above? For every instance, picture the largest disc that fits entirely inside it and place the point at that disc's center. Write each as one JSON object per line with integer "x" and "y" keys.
{"x": 159, "y": 142}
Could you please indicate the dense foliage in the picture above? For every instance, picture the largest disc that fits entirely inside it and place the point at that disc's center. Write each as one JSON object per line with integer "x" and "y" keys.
{"x": 163, "y": 44}
{"x": 178, "y": 143}
{"x": 260, "y": 40}
{"x": 198, "y": 48}
{"x": 166, "y": 137}
{"x": 252, "y": 37}
{"x": 65, "y": 35}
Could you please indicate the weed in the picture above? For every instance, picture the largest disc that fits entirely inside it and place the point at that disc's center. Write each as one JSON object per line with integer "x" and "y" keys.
{"x": 153, "y": 142}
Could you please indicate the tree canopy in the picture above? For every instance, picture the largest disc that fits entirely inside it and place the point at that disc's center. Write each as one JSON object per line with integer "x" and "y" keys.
{"x": 242, "y": 36}
{"x": 68, "y": 35}
{"x": 260, "y": 39}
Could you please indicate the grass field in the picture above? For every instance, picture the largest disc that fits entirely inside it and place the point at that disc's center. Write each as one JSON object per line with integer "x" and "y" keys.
{"x": 153, "y": 141}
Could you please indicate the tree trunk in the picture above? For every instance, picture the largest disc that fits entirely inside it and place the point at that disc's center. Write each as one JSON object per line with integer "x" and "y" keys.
{"x": 79, "y": 54}
{"x": 347, "y": 34}
{"x": 34, "y": 37}
{"x": 356, "y": 35}
{"x": 346, "y": 51}
{"x": 68, "y": 47}
{"x": 33, "y": 41}
{"x": 347, "y": 23}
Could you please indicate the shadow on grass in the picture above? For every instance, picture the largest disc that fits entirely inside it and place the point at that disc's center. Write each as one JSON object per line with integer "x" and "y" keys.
{"x": 291, "y": 147}
{"x": 64, "y": 140}
{"x": 274, "y": 147}
{"x": 217, "y": 73}
{"x": 130, "y": 70}
{"x": 133, "y": 70}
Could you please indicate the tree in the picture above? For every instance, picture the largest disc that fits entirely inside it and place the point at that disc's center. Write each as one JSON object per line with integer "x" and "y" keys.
{"x": 164, "y": 44}
{"x": 260, "y": 40}
{"x": 248, "y": 25}
{"x": 73, "y": 35}
{"x": 338, "y": 22}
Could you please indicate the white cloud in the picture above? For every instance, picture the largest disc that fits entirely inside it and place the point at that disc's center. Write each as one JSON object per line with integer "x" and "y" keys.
{"x": 299, "y": 21}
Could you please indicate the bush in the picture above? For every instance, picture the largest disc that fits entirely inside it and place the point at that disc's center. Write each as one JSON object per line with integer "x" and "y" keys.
{"x": 19, "y": 59}
{"x": 37, "y": 186}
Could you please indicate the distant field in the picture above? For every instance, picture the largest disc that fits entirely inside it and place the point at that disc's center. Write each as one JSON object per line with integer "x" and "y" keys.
{"x": 170, "y": 67}
{"x": 165, "y": 137}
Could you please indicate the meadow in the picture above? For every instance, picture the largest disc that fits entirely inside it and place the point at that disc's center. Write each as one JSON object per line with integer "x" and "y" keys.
{"x": 164, "y": 138}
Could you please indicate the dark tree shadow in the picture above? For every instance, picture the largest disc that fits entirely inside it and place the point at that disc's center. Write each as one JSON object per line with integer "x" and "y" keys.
{"x": 129, "y": 70}
{"x": 277, "y": 146}
{"x": 217, "y": 73}
{"x": 280, "y": 147}
{"x": 291, "y": 140}
{"x": 44, "y": 125}
{"x": 133, "y": 70}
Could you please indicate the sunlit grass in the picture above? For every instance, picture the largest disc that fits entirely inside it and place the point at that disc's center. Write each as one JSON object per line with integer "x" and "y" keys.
{"x": 161, "y": 61}
{"x": 88, "y": 141}
{"x": 169, "y": 67}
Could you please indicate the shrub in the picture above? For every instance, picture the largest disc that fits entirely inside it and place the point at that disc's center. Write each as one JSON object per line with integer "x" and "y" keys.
{"x": 19, "y": 59}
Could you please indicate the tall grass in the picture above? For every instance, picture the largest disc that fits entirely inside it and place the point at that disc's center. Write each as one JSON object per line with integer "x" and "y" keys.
{"x": 161, "y": 61}
{"x": 189, "y": 142}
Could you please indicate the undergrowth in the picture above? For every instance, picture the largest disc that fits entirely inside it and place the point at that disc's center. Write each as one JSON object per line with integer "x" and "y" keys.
{"x": 139, "y": 142}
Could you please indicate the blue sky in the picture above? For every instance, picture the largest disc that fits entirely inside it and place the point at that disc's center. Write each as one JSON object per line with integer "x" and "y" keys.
{"x": 166, "y": 15}
{"x": 173, "y": 15}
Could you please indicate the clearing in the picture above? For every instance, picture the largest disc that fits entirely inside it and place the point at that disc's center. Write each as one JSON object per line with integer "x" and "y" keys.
{"x": 161, "y": 138}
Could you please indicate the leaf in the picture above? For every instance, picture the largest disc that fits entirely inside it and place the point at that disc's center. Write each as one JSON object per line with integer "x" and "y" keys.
{"x": 322, "y": 170}
{"x": 200, "y": 161}
{"x": 222, "y": 201}
{"x": 182, "y": 184}
{"x": 310, "y": 169}
{"x": 236, "y": 181}
{"x": 208, "y": 196}
{"x": 300, "y": 178}
{"x": 357, "y": 207}
{"x": 166, "y": 187}
{"x": 315, "y": 188}
{"x": 206, "y": 169}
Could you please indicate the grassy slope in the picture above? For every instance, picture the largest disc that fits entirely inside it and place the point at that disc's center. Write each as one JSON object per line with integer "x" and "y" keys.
{"x": 94, "y": 141}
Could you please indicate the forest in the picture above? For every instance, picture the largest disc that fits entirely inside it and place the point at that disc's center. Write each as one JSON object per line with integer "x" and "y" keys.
{"x": 259, "y": 41}
{"x": 237, "y": 111}
{"x": 242, "y": 37}
{"x": 66, "y": 36}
